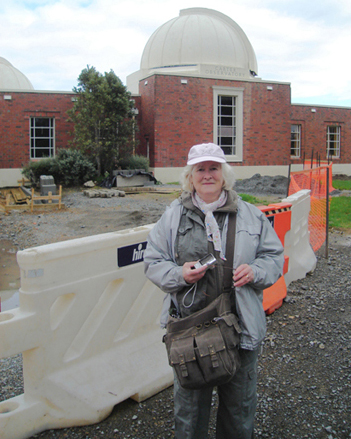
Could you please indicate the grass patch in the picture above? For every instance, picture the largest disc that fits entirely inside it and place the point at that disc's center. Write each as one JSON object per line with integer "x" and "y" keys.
{"x": 342, "y": 185}
{"x": 253, "y": 200}
{"x": 339, "y": 214}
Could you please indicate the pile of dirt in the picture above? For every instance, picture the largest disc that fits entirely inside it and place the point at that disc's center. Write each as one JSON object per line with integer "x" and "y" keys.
{"x": 263, "y": 185}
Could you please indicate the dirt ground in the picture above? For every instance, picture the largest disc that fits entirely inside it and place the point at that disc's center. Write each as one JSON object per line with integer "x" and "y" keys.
{"x": 304, "y": 388}
{"x": 84, "y": 216}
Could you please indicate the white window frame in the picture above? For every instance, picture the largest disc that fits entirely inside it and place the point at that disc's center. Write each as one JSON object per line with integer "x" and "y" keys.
{"x": 335, "y": 142}
{"x": 238, "y": 93}
{"x": 296, "y": 141}
{"x": 34, "y": 130}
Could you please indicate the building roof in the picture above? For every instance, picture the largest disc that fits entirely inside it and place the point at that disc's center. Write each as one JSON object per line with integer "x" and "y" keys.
{"x": 200, "y": 42}
{"x": 11, "y": 78}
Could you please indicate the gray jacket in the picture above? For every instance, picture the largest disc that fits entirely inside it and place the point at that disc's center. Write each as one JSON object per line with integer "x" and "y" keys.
{"x": 256, "y": 244}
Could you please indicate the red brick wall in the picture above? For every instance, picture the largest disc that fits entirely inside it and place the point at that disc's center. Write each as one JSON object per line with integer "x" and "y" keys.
{"x": 314, "y": 130}
{"x": 266, "y": 124}
{"x": 176, "y": 116}
{"x": 15, "y": 117}
{"x": 147, "y": 117}
{"x": 173, "y": 117}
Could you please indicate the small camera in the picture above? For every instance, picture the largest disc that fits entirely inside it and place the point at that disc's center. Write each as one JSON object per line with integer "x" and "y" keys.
{"x": 208, "y": 260}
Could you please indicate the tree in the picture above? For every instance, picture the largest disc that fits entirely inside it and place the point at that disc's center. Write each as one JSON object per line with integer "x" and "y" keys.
{"x": 102, "y": 116}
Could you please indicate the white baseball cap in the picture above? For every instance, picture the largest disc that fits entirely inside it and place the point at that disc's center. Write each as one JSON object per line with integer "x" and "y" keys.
{"x": 206, "y": 152}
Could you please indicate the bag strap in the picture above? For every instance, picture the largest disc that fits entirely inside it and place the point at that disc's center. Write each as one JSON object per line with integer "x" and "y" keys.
{"x": 229, "y": 253}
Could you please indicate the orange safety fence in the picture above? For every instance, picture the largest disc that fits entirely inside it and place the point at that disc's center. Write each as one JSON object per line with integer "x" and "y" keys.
{"x": 315, "y": 179}
{"x": 318, "y": 164}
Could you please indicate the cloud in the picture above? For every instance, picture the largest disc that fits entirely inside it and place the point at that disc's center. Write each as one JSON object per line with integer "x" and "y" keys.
{"x": 299, "y": 42}
{"x": 301, "y": 45}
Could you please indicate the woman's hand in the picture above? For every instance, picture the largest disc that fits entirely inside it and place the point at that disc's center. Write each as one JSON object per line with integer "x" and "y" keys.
{"x": 243, "y": 275}
{"x": 191, "y": 274}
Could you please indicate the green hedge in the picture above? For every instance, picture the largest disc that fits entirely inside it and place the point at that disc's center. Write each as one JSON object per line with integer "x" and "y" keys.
{"x": 70, "y": 168}
{"x": 135, "y": 162}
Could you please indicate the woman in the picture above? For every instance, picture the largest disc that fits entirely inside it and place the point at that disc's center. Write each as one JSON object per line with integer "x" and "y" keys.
{"x": 193, "y": 226}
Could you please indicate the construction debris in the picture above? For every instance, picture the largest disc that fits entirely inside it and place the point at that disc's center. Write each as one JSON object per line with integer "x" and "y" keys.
{"x": 103, "y": 193}
{"x": 90, "y": 184}
{"x": 19, "y": 196}
{"x": 113, "y": 192}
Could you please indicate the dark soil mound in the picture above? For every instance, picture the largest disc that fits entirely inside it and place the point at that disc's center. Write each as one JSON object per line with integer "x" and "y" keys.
{"x": 277, "y": 185}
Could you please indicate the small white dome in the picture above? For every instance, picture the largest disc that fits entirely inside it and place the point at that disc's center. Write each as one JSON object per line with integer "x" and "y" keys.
{"x": 11, "y": 78}
{"x": 199, "y": 36}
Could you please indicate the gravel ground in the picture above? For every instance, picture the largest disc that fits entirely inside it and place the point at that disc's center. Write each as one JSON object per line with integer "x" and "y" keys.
{"x": 305, "y": 367}
{"x": 81, "y": 216}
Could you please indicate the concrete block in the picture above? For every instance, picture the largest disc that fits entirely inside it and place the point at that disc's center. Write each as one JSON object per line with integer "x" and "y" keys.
{"x": 46, "y": 188}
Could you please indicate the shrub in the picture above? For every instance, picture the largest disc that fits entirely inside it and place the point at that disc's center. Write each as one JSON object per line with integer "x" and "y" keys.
{"x": 33, "y": 170}
{"x": 135, "y": 162}
{"x": 70, "y": 168}
{"x": 74, "y": 168}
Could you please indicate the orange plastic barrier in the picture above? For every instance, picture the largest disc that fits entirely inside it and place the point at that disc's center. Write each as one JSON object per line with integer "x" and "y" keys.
{"x": 280, "y": 217}
{"x": 273, "y": 296}
{"x": 314, "y": 179}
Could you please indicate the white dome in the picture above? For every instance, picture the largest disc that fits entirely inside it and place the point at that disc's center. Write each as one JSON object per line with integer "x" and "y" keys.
{"x": 11, "y": 78}
{"x": 200, "y": 42}
{"x": 199, "y": 36}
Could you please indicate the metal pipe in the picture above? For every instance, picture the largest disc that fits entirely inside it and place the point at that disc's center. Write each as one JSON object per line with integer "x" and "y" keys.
{"x": 287, "y": 190}
{"x": 327, "y": 218}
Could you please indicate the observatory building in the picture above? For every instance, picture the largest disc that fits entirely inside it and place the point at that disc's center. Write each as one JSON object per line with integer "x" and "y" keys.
{"x": 198, "y": 82}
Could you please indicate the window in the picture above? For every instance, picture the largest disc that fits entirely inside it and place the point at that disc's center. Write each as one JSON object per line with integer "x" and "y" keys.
{"x": 228, "y": 121}
{"x": 333, "y": 141}
{"x": 42, "y": 137}
{"x": 226, "y": 124}
{"x": 295, "y": 147}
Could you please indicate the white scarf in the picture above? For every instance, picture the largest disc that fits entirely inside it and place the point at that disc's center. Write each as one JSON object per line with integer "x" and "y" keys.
{"x": 212, "y": 228}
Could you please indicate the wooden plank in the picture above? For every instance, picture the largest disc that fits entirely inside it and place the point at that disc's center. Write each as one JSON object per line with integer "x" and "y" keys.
{"x": 19, "y": 196}
{"x": 23, "y": 181}
{"x": 48, "y": 198}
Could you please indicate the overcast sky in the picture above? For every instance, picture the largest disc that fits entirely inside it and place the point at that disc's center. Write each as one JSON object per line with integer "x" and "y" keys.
{"x": 304, "y": 42}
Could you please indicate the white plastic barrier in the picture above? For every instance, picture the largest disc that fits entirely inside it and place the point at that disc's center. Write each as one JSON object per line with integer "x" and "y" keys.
{"x": 88, "y": 327}
{"x": 297, "y": 246}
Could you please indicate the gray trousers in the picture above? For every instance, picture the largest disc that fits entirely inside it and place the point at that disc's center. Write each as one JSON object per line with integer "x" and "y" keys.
{"x": 236, "y": 409}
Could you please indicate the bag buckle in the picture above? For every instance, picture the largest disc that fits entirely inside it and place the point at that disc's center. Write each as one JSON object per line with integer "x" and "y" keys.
{"x": 214, "y": 357}
{"x": 182, "y": 366}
